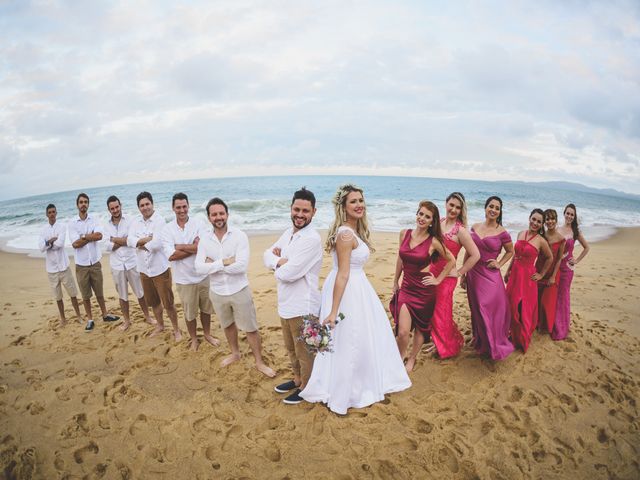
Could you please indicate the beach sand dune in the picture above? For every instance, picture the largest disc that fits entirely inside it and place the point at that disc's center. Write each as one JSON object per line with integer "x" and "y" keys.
{"x": 113, "y": 405}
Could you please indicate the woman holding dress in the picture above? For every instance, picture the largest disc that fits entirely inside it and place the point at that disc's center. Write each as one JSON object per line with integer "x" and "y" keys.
{"x": 413, "y": 303}
{"x": 548, "y": 286}
{"x": 445, "y": 334}
{"x": 571, "y": 233}
{"x": 490, "y": 314}
{"x": 522, "y": 278}
{"x": 365, "y": 363}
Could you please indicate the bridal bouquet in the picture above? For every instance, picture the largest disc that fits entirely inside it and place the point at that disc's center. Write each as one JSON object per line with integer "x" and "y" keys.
{"x": 316, "y": 337}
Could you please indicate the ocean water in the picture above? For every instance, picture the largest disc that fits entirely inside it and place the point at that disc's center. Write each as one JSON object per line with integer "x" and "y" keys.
{"x": 261, "y": 204}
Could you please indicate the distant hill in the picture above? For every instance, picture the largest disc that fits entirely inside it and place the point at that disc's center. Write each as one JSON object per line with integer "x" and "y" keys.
{"x": 583, "y": 188}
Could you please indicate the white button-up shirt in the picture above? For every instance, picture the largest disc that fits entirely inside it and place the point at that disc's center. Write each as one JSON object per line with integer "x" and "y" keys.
{"x": 297, "y": 279}
{"x": 152, "y": 261}
{"x": 232, "y": 278}
{"x": 183, "y": 271}
{"x": 56, "y": 259}
{"x": 91, "y": 253}
{"x": 122, "y": 258}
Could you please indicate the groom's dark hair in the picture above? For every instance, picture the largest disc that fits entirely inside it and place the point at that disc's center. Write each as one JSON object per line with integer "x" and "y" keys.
{"x": 304, "y": 194}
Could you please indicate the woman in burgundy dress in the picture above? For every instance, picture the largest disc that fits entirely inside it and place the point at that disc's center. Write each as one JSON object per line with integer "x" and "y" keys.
{"x": 413, "y": 303}
{"x": 522, "y": 278}
{"x": 490, "y": 314}
{"x": 445, "y": 334}
{"x": 548, "y": 286}
{"x": 572, "y": 234}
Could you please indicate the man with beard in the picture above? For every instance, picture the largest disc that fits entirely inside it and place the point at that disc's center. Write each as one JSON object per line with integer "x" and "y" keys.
{"x": 224, "y": 256}
{"x": 122, "y": 260}
{"x": 296, "y": 259}
{"x": 84, "y": 234}
{"x": 145, "y": 235}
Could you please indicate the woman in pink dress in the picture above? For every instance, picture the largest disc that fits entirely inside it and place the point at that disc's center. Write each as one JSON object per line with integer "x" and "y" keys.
{"x": 445, "y": 334}
{"x": 571, "y": 233}
{"x": 522, "y": 278}
{"x": 490, "y": 315}
{"x": 413, "y": 303}
{"x": 548, "y": 286}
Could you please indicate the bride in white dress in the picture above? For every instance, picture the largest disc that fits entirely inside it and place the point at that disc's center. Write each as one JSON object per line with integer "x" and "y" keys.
{"x": 365, "y": 363}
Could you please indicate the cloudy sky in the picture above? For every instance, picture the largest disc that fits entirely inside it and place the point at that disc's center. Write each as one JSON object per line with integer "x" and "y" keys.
{"x": 98, "y": 93}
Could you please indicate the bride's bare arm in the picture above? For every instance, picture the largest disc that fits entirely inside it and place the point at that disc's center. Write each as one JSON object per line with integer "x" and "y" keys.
{"x": 344, "y": 246}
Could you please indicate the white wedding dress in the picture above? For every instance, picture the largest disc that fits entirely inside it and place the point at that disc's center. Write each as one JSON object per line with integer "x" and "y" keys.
{"x": 365, "y": 362}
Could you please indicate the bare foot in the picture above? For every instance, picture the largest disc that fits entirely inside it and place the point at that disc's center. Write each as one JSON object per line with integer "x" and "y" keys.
{"x": 194, "y": 344}
{"x": 268, "y": 371}
{"x": 229, "y": 360}
{"x": 177, "y": 335}
{"x": 212, "y": 340}
{"x": 159, "y": 329}
{"x": 125, "y": 326}
{"x": 63, "y": 323}
{"x": 151, "y": 321}
{"x": 431, "y": 349}
{"x": 411, "y": 362}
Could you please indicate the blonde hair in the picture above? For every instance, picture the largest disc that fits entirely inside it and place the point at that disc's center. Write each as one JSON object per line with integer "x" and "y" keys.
{"x": 339, "y": 201}
{"x": 462, "y": 218}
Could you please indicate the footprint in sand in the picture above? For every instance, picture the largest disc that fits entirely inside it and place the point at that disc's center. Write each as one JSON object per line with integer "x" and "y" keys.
{"x": 516, "y": 394}
{"x": 35, "y": 408}
{"x": 423, "y": 426}
{"x": 138, "y": 424}
{"x": 272, "y": 452}
{"x": 80, "y": 454}
{"x": 570, "y": 402}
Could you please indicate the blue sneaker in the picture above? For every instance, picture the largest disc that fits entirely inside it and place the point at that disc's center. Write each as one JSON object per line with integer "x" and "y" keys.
{"x": 285, "y": 387}
{"x": 89, "y": 326}
{"x": 294, "y": 398}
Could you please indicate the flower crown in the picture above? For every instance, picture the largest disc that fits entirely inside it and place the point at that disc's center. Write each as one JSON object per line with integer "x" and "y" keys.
{"x": 343, "y": 191}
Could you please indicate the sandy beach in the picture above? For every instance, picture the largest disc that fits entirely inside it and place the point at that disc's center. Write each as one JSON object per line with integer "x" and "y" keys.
{"x": 120, "y": 405}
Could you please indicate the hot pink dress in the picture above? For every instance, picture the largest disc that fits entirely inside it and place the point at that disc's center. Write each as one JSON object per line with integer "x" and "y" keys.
{"x": 548, "y": 294}
{"x": 444, "y": 332}
{"x": 523, "y": 293}
{"x": 490, "y": 315}
{"x": 420, "y": 299}
{"x": 563, "y": 306}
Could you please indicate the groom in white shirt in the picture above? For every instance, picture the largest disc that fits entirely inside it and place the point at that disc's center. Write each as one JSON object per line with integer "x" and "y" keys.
{"x": 296, "y": 259}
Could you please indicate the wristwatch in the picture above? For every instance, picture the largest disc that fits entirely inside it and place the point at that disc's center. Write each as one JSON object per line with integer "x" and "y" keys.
{"x": 83, "y": 236}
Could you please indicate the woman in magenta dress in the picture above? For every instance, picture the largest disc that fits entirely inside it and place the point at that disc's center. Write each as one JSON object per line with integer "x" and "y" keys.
{"x": 445, "y": 334}
{"x": 522, "y": 278}
{"x": 548, "y": 286}
{"x": 490, "y": 315}
{"x": 413, "y": 303}
{"x": 571, "y": 233}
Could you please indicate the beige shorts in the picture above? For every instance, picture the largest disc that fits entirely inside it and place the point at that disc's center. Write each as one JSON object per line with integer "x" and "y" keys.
{"x": 195, "y": 297}
{"x": 158, "y": 289}
{"x": 237, "y": 308}
{"x": 90, "y": 278}
{"x": 58, "y": 280}
{"x": 123, "y": 278}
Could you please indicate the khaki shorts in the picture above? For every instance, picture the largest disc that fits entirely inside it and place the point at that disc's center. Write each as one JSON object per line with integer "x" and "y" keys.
{"x": 90, "y": 278}
{"x": 58, "y": 280}
{"x": 237, "y": 308}
{"x": 123, "y": 278}
{"x": 195, "y": 297}
{"x": 158, "y": 289}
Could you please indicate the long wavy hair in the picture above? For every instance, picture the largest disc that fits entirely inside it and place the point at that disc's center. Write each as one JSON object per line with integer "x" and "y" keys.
{"x": 541, "y": 212}
{"x": 574, "y": 225}
{"x": 339, "y": 201}
{"x": 434, "y": 229}
{"x": 462, "y": 218}
{"x": 495, "y": 197}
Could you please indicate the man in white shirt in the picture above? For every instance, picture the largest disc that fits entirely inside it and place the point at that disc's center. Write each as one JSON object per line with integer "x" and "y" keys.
{"x": 145, "y": 235}
{"x": 123, "y": 261}
{"x": 85, "y": 233}
{"x": 224, "y": 256}
{"x": 57, "y": 263}
{"x": 180, "y": 242}
{"x": 296, "y": 259}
